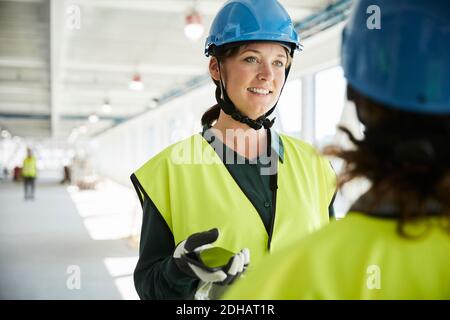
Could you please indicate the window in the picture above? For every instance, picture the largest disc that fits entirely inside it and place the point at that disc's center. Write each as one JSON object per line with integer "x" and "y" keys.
{"x": 330, "y": 98}
{"x": 180, "y": 126}
{"x": 289, "y": 108}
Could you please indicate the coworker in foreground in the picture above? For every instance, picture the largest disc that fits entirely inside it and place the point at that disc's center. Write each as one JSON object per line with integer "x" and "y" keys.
{"x": 395, "y": 241}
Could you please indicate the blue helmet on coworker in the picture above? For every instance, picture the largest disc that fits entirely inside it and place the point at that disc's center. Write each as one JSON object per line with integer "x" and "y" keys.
{"x": 252, "y": 20}
{"x": 241, "y": 21}
{"x": 405, "y": 63}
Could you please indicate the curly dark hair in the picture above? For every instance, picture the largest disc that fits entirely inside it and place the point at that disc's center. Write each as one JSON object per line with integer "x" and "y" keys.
{"x": 405, "y": 155}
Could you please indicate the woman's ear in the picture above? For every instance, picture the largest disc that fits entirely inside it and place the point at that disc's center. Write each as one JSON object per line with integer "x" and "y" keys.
{"x": 214, "y": 69}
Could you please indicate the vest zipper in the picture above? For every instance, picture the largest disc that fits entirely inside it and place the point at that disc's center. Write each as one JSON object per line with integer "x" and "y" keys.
{"x": 273, "y": 186}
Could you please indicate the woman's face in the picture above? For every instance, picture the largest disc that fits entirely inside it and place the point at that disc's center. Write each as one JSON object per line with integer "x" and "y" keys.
{"x": 253, "y": 77}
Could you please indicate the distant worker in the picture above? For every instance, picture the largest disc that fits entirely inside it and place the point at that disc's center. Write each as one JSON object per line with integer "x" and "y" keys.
{"x": 243, "y": 188}
{"x": 29, "y": 172}
{"x": 67, "y": 176}
{"x": 395, "y": 241}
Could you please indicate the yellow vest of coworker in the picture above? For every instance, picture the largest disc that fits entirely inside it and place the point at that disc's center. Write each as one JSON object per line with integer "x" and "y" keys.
{"x": 29, "y": 167}
{"x": 194, "y": 192}
{"x": 358, "y": 257}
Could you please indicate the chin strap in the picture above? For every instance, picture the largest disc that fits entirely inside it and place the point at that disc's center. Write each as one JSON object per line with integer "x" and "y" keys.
{"x": 230, "y": 109}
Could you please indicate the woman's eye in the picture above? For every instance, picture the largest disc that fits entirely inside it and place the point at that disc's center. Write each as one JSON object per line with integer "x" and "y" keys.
{"x": 251, "y": 59}
{"x": 279, "y": 63}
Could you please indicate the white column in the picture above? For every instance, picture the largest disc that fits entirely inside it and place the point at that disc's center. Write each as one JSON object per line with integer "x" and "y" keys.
{"x": 308, "y": 108}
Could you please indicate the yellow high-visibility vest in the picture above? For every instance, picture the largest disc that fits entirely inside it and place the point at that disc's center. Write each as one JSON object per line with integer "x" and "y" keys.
{"x": 194, "y": 192}
{"x": 358, "y": 257}
{"x": 29, "y": 167}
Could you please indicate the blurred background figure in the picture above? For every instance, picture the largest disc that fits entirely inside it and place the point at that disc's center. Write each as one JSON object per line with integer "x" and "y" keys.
{"x": 29, "y": 171}
{"x": 5, "y": 173}
{"x": 17, "y": 174}
{"x": 66, "y": 175}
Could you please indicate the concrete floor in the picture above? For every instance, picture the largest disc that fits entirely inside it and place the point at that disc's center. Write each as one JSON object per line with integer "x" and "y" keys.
{"x": 46, "y": 250}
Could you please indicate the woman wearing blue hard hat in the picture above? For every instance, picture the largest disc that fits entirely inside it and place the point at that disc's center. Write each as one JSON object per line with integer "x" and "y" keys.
{"x": 395, "y": 241}
{"x": 255, "y": 191}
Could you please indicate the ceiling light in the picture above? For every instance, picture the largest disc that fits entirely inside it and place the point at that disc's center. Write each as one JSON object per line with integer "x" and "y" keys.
{"x": 106, "y": 108}
{"x": 5, "y": 134}
{"x": 136, "y": 84}
{"x": 73, "y": 135}
{"x": 194, "y": 27}
{"x": 153, "y": 103}
{"x": 82, "y": 129}
{"x": 93, "y": 118}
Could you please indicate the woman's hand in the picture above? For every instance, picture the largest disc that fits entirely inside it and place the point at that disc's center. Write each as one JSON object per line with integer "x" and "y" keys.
{"x": 187, "y": 256}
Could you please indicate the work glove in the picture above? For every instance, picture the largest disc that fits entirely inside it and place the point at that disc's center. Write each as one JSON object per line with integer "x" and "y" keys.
{"x": 187, "y": 256}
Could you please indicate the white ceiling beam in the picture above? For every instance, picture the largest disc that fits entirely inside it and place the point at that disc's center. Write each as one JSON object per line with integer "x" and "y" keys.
{"x": 57, "y": 34}
{"x": 14, "y": 106}
{"x": 206, "y": 7}
{"x": 10, "y": 86}
{"x": 92, "y": 89}
{"x": 169, "y": 69}
{"x": 85, "y": 91}
{"x": 14, "y": 62}
{"x": 173, "y": 6}
{"x": 25, "y": 1}
{"x": 110, "y": 89}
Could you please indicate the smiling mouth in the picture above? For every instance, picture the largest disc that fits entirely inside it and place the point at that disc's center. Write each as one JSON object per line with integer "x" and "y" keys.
{"x": 259, "y": 91}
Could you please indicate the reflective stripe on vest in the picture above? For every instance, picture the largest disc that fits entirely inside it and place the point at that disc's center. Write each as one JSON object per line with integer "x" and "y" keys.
{"x": 194, "y": 192}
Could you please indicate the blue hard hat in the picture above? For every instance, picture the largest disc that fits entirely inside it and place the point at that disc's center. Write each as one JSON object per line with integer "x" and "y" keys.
{"x": 252, "y": 20}
{"x": 405, "y": 63}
